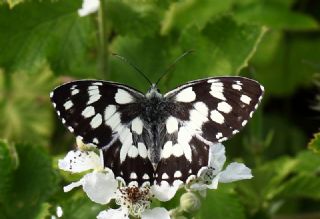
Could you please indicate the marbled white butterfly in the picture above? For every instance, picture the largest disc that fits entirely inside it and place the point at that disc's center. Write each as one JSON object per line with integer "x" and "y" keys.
{"x": 153, "y": 137}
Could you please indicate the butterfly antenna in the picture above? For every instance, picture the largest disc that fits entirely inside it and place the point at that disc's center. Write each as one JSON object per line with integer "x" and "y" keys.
{"x": 133, "y": 66}
{"x": 173, "y": 64}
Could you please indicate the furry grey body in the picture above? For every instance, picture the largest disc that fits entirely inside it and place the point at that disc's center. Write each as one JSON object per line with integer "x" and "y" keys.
{"x": 155, "y": 113}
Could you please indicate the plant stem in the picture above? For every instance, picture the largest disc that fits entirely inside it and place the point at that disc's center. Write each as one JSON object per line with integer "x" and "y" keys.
{"x": 103, "y": 41}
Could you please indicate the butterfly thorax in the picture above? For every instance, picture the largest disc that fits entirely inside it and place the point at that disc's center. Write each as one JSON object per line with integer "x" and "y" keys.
{"x": 155, "y": 112}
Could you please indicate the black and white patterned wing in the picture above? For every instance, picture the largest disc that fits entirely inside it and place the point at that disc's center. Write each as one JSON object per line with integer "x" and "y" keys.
{"x": 204, "y": 112}
{"x": 107, "y": 115}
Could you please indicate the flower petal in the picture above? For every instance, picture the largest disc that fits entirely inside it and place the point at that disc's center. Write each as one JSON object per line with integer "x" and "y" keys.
{"x": 113, "y": 214}
{"x": 198, "y": 186}
{"x": 88, "y": 7}
{"x": 73, "y": 185}
{"x": 235, "y": 171}
{"x": 100, "y": 187}
{"x": 215, "y": 181}
{"x": 164, "y": 191}
{"x": 79, "y": 161}
{"x": 217, "y": 157}
{"x": 155, "y": 213}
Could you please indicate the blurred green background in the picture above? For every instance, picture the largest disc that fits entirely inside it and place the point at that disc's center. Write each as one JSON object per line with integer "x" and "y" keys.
{"x": 277, "y": 42}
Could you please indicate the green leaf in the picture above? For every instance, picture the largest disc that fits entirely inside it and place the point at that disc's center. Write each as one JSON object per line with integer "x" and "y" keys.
{"x": 219, "y": 50}
{"x": 220, "y": 205}
{"x": 314, "y": 144}
{"x": 26, "y": 109}
{"x": 307, "y": 163}
{"x": 142, "y": 22}
{"x": 33, "y": 183}
{"x": 283, "y": 59}
{"x": 304, "y": 185}
{"x": 54, "y": 31}
{"x": 13, "y": 3}
{"x": 276, "y": 16}
{"x": 80, "y": 207}
{"x": 44, "y": 211}
{"x": 8, "y": 163}
{"x": 178, "y": 14}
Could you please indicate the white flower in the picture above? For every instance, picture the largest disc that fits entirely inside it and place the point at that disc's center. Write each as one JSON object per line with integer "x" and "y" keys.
{"x": 120, "y": 213}
{"x": 88, "y": 7}
{"x": 78, "y": 161}
{"x": 101, "y": 187}
{"x": 210, "y": 176}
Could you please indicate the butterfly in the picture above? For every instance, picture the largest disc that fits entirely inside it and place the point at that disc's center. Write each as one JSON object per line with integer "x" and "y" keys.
{"x": 153, "y": 137}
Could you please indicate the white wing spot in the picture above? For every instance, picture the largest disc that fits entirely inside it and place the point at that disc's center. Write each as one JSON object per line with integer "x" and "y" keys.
{"x": 95, "y": 140}
{"x": 74, "y": 91}
{"x": 109, "y": 111}
{"x": 237, "y": 87}
{"x": 222, "y": 139}
{"x": 51, "y": 94}
{"x": 251, "y": 114}
{"x": 137, "y": 126}
{"x": 123, "y": 97}
{"x": 113, "y": 121}
{"x": 67, "y": 105}
{"x": 245, "y": 99}
{"x": 124, "y": 150}
{"x": 217, "y": 117}
{"x": 167, "y": 150}
{"x": 93, "y": 98}
{"x": 202, "y": 108}
{"x": 97, "y": 83}
{"x": 219, "y": 135}
{"x": 96, "y": 121}
{"x": 70, "y": 129}
{"x": 239, "y": 83}
{"x": 142, "y": 150}
{"x": 177, "y": 150}
{"x": 224, "y": 107}
{"x": 183, "y": 135}
{"x": 133, "y": 151}
{"x": 164, "y": 176}
{"x": 172, "y": 125}
{"x": 217, "y": 91}
{"x": 145, "y": 176}
{"x": 186, "y": 95}
{"x": 177, "y": 174}
{"x": 235, "y": 131}
{"x": 133, "y": 175}
{"x": 244, "y": 122}
{"x": 88, "y": 112}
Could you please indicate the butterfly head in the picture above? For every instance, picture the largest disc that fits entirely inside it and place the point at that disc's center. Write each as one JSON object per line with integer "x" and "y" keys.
{"x": 153, "y": 92}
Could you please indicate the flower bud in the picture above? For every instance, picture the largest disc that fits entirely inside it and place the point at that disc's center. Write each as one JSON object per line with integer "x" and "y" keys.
{"x": 189, "y": 202}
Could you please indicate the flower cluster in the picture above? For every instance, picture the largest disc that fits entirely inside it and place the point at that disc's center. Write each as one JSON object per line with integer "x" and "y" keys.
{"x": 101, "y": 186}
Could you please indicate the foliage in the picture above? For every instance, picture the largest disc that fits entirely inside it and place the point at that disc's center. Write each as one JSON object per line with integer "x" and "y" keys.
{"x": 45, "y": 43}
